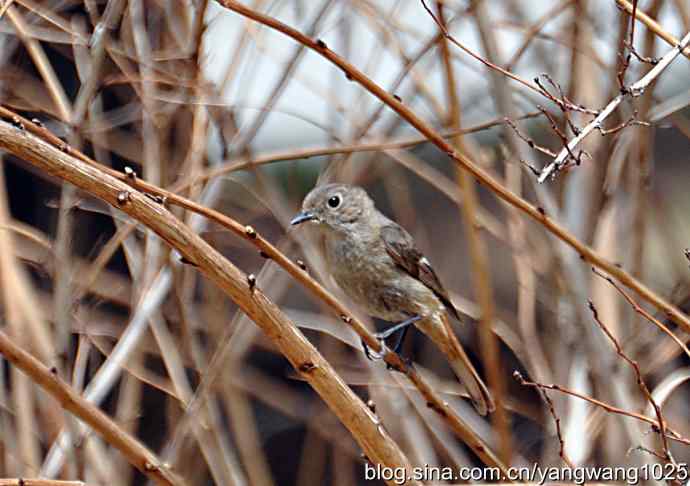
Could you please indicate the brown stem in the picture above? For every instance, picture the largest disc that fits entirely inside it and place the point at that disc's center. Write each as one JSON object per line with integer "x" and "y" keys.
{"x": 135, "y": 452}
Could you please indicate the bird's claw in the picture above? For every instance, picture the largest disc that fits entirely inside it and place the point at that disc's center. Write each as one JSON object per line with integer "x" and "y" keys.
{"x": 381, "y": 337}
{"x": 372, "y": 355}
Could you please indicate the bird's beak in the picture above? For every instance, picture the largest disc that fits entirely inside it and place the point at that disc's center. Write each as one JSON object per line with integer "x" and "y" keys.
{"x": 302, "y": 217}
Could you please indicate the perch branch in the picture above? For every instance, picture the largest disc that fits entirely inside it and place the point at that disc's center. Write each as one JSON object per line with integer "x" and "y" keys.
{"x": 462, "y": 430}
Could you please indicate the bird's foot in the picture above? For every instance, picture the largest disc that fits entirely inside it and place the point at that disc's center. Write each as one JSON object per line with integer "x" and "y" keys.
{"x": 371, "y": 355}
{"x": 382, "y": 336}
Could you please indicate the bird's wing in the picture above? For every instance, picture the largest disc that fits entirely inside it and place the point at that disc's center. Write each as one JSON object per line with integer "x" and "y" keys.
{"x": 401, "y": 247}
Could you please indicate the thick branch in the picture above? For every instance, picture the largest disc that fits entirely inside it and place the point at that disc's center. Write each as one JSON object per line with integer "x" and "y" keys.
{"x": 353, "y": 413}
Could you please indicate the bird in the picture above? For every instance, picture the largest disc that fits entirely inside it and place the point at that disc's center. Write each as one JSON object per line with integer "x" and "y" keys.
{"x": 377, "y": 264}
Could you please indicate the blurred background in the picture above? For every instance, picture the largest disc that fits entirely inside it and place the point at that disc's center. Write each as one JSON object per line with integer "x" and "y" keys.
{"x": 202, "y": 101}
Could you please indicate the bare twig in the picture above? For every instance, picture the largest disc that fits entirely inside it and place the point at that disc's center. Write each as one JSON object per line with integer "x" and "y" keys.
{"x": 671, "y": 434}
{"x": 520, "y": 379}
{"x": 636, "y": 307}
{"x": 634, "y": 90}
{"x": 638, "y": 374}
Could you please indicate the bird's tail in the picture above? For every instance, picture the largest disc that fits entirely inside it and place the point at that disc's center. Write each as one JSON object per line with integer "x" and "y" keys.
{"x": 440, "y": 331}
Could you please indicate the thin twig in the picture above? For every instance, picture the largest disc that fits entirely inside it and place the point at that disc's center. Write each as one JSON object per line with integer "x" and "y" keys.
{"x": 670, "y": 433}
{"x": 520, "y": 379}
{"x": 638, "y": 374}
{"x": 636, "y": 307}
{"x": 637, "y": 89}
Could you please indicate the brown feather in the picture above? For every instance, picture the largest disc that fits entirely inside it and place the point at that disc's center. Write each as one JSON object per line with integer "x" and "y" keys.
{"x": 401, "y": 247}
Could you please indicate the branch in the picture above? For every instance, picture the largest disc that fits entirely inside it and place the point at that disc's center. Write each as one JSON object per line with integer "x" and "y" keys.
{"x": 636, "y": 307}
{"x": 638, "y": 375}
{"x": 637, "y": 89}
{"x": 552, "y": 410}
{"x": 671, "y": 434}
{"x": 651, "y": 24}
{"x": 135, "y": 452}
{"x": 161, "y": 196}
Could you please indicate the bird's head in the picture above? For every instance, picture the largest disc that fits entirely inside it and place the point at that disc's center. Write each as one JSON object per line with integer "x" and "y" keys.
{"x": 337, "y": 207}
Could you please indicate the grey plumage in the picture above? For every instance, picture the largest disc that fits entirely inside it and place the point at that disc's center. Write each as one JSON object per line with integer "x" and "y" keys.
{"x": 376, "y": 263}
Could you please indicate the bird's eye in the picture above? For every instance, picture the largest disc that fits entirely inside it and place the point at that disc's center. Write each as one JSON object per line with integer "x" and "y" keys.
{"x": 334, "y": 201}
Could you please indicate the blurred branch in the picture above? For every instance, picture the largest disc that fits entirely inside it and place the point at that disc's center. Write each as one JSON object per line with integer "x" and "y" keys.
{"x": 476, "y": 56}
{"x": 481, "y": 272}
{"x": 241, "y": 163}
{"x": 652, "y": 25}
{"x": 42, "y": 64}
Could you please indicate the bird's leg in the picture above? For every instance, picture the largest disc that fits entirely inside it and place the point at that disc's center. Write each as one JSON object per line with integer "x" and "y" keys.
{"x": 398, "y": 345}
{"x": 382, "y": 336}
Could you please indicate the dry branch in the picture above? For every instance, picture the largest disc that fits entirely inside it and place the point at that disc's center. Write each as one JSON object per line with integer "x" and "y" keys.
{"x": 138, "y": 455}
{"x": 364, "y": 426}
{"x": 479, "y": 258}
{"x": 652, "y": 25}
{"x": 640, "y": 381}
{"x": 636, "y": 89}
{"x": 670, "y": 434}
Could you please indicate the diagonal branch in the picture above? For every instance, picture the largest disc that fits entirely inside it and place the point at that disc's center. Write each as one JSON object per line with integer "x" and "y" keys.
{"x": 651, "y": 24}
{"x": 640, "y": 381}
{"x": 597, "y": 124}
{"x": 135, "y": 452}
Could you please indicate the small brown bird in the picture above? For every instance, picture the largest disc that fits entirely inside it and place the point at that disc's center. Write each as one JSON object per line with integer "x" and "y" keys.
{"x": 376, "y": 263}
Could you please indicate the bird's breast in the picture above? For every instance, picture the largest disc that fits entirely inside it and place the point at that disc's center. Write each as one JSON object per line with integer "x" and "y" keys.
{"x": 368, "y": 275}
